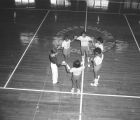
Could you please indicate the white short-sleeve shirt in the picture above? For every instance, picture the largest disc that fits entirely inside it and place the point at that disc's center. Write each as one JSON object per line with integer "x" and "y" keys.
{"x": 98, "y": 60}
{"x": 66, "y": 44}
{"x": 77, "y": 71}
{"x": 84, "y": 40}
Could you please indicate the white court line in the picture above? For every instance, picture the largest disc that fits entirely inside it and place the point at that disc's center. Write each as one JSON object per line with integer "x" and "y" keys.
{"x": 132, "y": 33}
{"x": 34, "y": 90}
{"x": 109, "y": 95}
{"x": 62, "y": 92}
{"x": 38, "y": 103}
{"x": 82, "y": 81}
{"x": 82, "y": 86}
{"x": 25, "y": 50}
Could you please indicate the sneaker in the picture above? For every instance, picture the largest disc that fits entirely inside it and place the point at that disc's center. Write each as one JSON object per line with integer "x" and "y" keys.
{"x": 72, "y": 90}
{"x": 95, "y": 82}
{"x": 54, "y": 83}
{"x": 88, "y": 65}
{"x": 98, "y": 77}
{"x": 92, "y": 84}
{"x": 78, "y": 91}
{"x": 82, "y": 63}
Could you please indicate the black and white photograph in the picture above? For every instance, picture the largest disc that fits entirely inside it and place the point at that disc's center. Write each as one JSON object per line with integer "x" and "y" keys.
{"x": 69, "y": 59}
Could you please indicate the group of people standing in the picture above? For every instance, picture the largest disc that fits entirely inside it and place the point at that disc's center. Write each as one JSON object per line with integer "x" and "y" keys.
{"x": 93, "y": 60}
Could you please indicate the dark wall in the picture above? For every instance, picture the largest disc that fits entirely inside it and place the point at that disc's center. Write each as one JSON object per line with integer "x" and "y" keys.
{"x": 7, "y": 3}
{"x": 43, "y": 4}
{"x": 76, "y": 5}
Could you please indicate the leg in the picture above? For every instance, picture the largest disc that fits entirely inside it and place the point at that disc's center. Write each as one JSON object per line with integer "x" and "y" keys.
{"x": 82, "y": 51}
{"x": 87, "y": 55}
{"x": 64, "y": 53}
{"x": 54, "y": 69}
{"x": 78, "y": 86}
{"x": 77, "y": 83}
{"x": 73, "y": 84}
{"x": 96, "y": 71}
{"x": 96, "y": 78}
{"x": 68, "y": 52}
{"x": 72, "y": 80}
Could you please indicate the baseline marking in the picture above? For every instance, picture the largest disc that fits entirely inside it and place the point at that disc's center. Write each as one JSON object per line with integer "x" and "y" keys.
{"x": 25, "y": 51}
{"x": 132, "y": 33}
{"x": 62, "y": 92}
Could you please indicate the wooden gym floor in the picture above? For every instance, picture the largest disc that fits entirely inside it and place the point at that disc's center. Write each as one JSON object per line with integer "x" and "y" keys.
{"x": 26, "y": 90}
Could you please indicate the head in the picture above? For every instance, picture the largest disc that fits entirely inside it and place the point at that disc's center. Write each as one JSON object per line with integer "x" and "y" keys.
{"x": 100, "y": 40}
{"x": 76, "y": 64}
{"x": 83, "y": 33}
{"x": 66, "y": 37}
{"x": 97, "y": 51}
{"x": 53, "y": 51}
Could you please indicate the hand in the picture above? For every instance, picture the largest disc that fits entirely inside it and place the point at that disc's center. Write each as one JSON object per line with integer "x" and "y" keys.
{"x": 59, "y": 47}
{"x": 82, "y": 63}
{"x": 63, "y": 63}
{"x": 75, "y": 37}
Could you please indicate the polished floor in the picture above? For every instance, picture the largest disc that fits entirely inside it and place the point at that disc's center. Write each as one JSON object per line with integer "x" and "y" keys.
{"x": 26, "y": 89}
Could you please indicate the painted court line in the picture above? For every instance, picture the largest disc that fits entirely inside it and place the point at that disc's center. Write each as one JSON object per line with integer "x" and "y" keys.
{"x": 109, "y": 95}
{"x": 38, "y": 102}
{"x": 132, "y": 33}
{"x": 62, "y": 92}
{"x": 34, "y": 90}
{"x": 81, "y": 94}
{"x": 25, "y": 51}
{"x": 82, "y": 79}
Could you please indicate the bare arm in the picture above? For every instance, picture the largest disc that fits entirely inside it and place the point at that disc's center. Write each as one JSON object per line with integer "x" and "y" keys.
{"x": 67, "y": 66}
{"x": 76, "y": 38}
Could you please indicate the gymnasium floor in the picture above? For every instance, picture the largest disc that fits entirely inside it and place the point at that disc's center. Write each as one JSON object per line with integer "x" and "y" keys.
{"x": 26, "y": 90}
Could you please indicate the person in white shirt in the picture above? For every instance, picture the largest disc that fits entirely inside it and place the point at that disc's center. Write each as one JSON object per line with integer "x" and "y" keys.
{"x": 99, "y": 43}
{"x": 76, "y": 71}
{"x": 84, "y": 39}
{"x": 97, "y": 64}
{"x": 66, "y": 47}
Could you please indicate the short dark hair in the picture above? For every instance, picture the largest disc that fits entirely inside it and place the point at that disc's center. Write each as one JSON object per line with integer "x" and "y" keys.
{"x": 97, "y": 51}
{"x": 53, "y": 51}
{"x": 100, "y": 39}
{"x": 66, "y": 37}
{"x": 83, "y": 32}
{"x": 76, "y": 63}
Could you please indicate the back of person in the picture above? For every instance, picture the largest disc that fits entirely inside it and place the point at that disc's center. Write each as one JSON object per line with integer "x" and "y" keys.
{"x": 99, "y": 46}
{"x": 99, "y": 43}
{"x": 76, "y": 71}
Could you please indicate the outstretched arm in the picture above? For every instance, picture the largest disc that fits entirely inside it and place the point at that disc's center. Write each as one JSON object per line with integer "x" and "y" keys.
{"x": 76, "y": 38}
{"x": 72, "y": 40}
{"x": 67, "y": 66}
